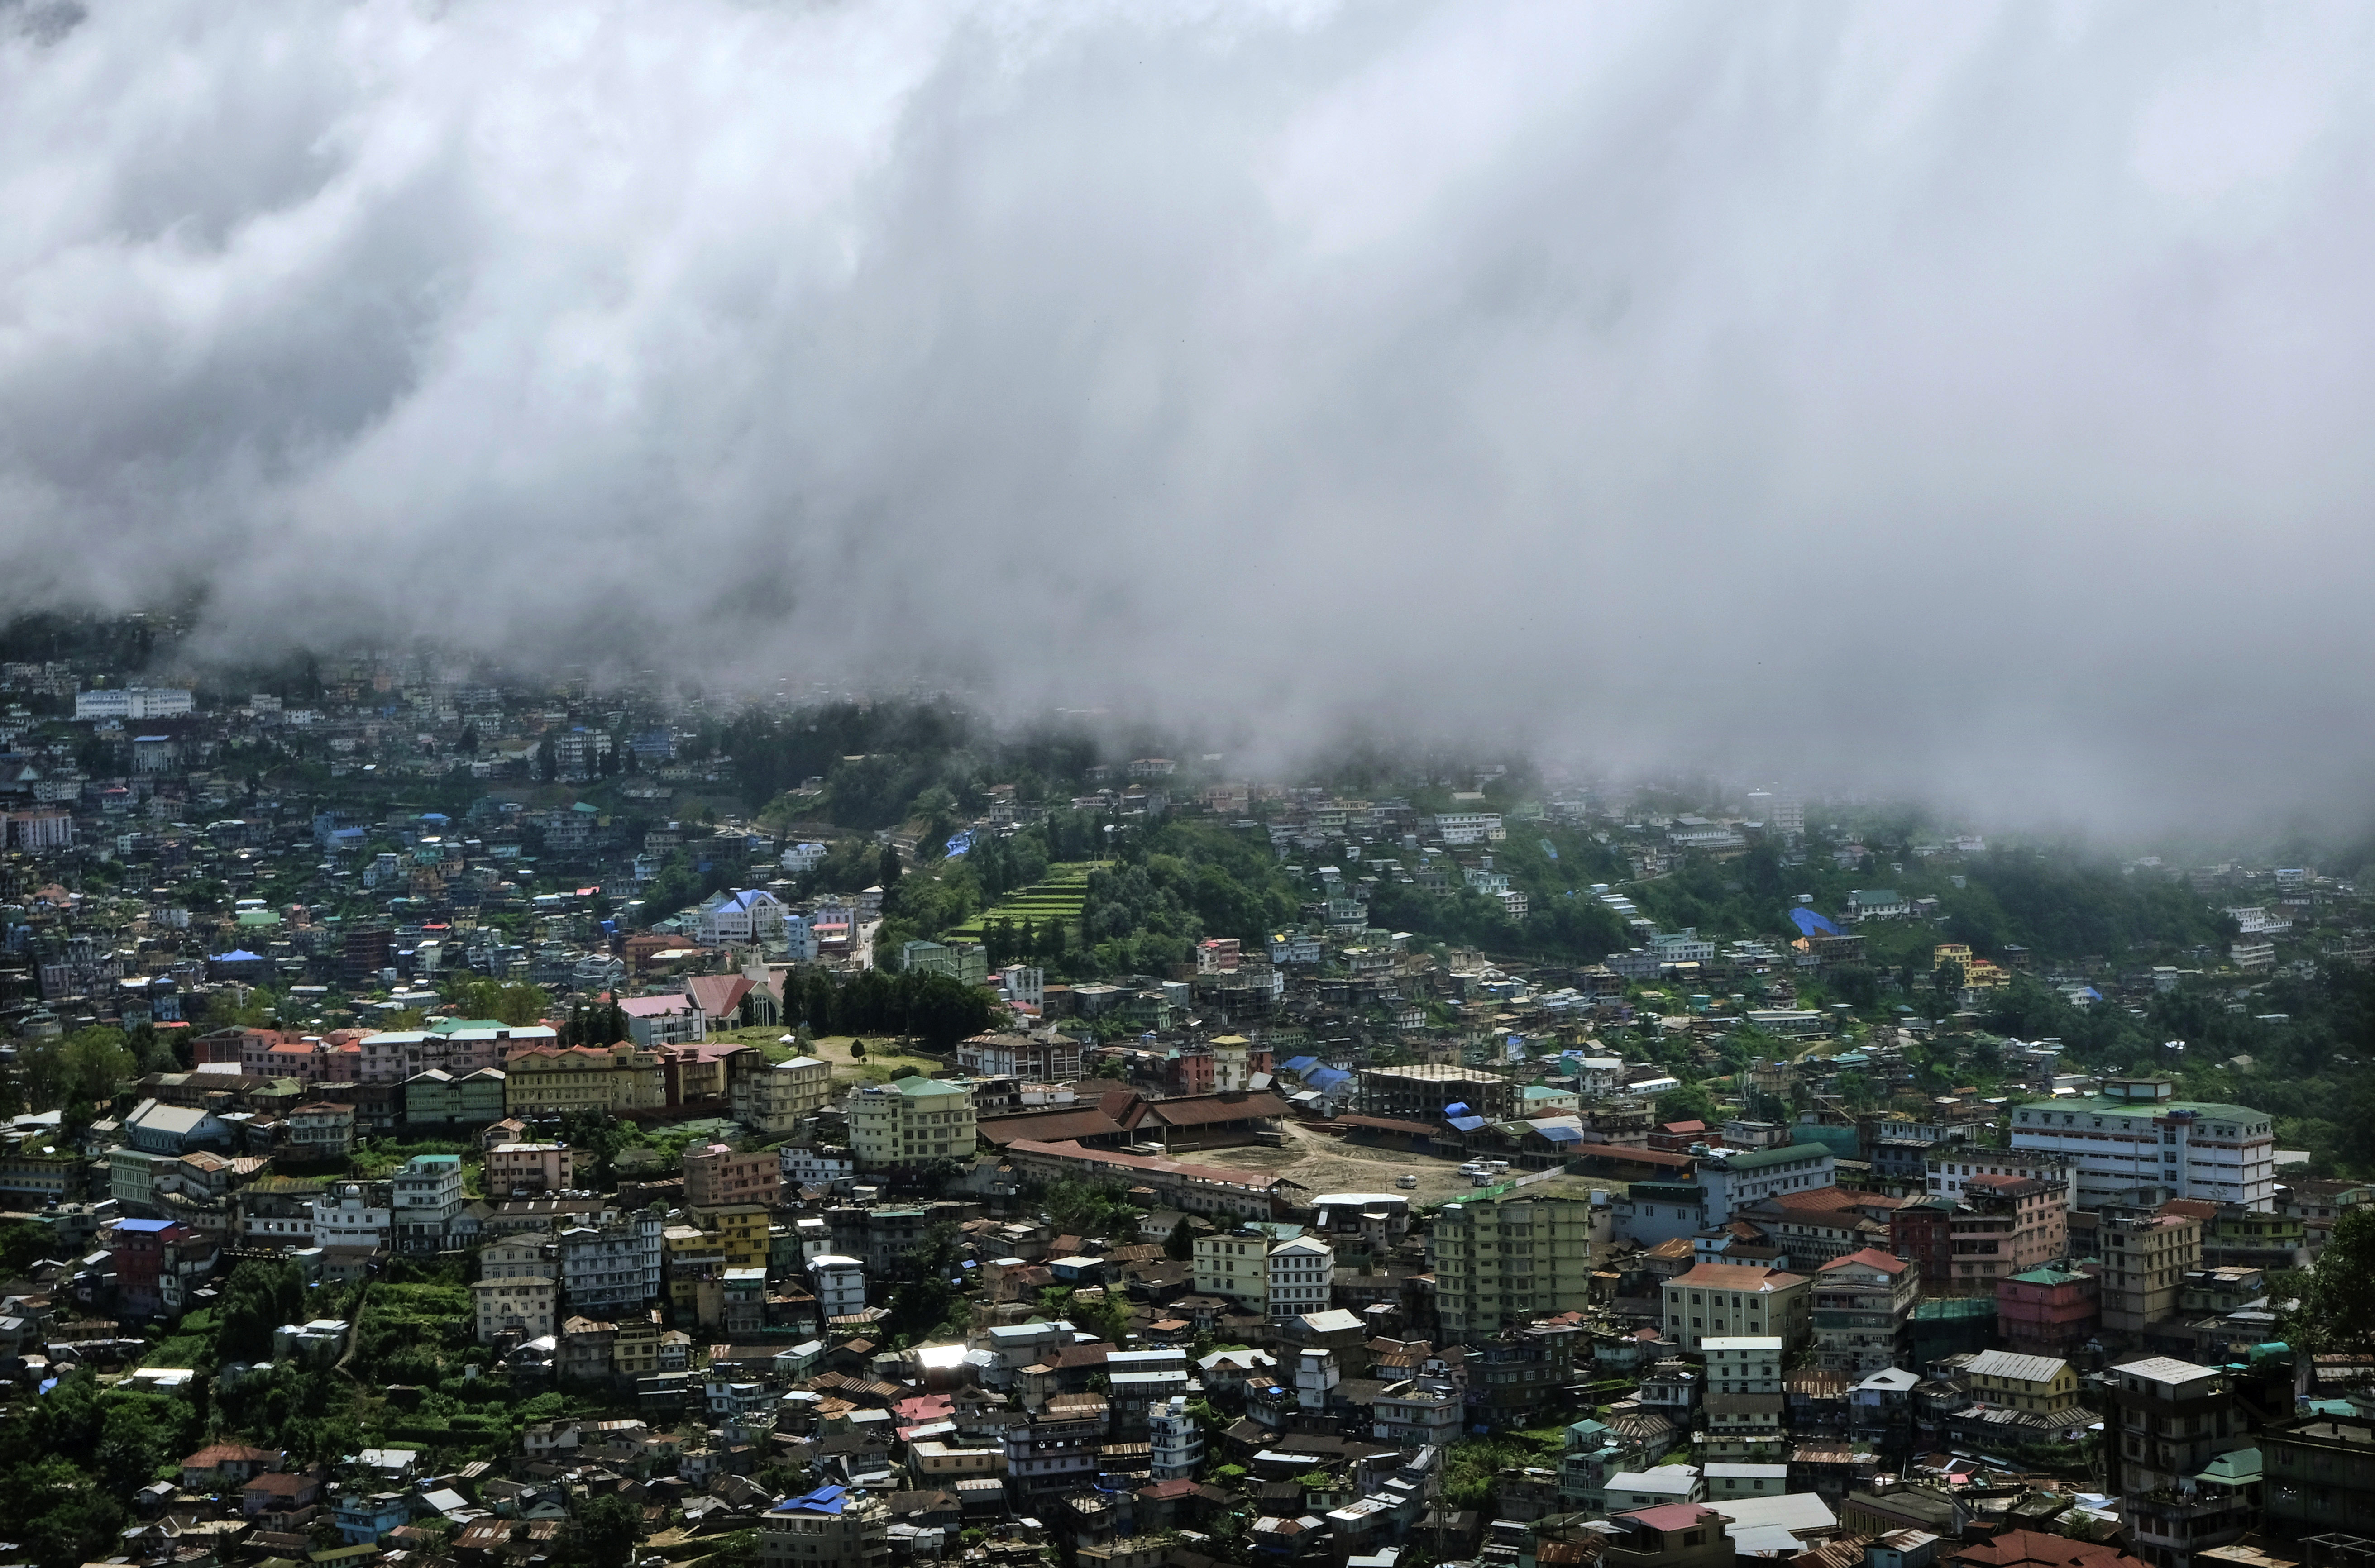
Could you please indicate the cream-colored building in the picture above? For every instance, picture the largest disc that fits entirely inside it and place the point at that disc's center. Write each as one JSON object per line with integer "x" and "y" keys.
{"x": 520, "y": 1170}
{"x": 910, "y": 1121}
{"x": 1732, "y": 1301}
{"x": 517, "y": 1303}
{"x": 777, "y": 1098}
{"x": 1279, "y": 1279}
{"x": 2043, "y": 1385}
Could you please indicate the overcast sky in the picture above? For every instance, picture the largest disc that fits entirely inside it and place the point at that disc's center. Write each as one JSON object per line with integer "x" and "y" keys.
{"x": 1967, "y": 396}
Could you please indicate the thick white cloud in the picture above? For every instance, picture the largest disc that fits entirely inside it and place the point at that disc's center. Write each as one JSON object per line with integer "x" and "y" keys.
{"x": 1971, "y": 398}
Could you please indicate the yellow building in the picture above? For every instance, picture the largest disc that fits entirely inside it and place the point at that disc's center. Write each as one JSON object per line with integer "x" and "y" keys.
{"x": 552, "y": 1081}
{"x": 637, "y": 1350}
{"x": 1979, "y": 973}
{"x": 2042, "y": 1384}
{"x": 910, "y": 1121}
{"x": 694, "y": 1259}
{"x": 742, "y": 1235}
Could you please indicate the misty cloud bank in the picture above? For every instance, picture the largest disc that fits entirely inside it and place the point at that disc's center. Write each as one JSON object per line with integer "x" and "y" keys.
{"x": 1967, "y": 396}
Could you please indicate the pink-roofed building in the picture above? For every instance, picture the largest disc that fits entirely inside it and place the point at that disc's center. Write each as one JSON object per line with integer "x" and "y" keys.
{"x": 1862, "y": 1303}
{"x": 673, "y": 1018}
{"x": 1676, "y": 1535}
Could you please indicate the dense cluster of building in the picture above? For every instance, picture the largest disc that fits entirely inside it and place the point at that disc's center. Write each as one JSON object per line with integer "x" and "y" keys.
{"x": 2036, "y": 1326}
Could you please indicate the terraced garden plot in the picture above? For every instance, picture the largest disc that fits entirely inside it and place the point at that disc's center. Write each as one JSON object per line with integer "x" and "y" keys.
{"x": 1059, "y": 898}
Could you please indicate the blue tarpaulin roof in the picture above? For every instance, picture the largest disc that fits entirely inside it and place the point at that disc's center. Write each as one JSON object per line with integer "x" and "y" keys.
{"x": 1467, "y": 1124}
{"x": 1810, "y": 924}
{"x": 238, "y": 955}
{"x": 1325, "y": 1078}
{"x": 824, "y": 1499}
{"x": 1300, "y": 1064}
{"x": 1560, "y": 1133}
{"x": 1457, "y": 1108}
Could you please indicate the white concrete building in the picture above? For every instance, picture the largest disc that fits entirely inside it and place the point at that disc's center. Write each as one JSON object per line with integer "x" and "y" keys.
{"x": 1177, "y": 1441}
{"x": 2133, "y": 1135}
{"x": 348, "y": 1219}
{"x": 840, "y": 1284}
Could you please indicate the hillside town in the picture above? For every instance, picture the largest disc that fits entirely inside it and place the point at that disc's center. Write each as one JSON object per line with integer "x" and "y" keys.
{"x": 455, "y": 1120}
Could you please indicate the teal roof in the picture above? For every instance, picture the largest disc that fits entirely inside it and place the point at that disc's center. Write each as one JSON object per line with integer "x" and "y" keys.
{"x": 1780, "y": 1154}
{"x": 1951, "y": 1307}
{"x": 2049, "y": 1275}
{"x": 2098, "y": 1105}
{"x": 913, "y": 1087}
{"x": 2240, "y": 1467}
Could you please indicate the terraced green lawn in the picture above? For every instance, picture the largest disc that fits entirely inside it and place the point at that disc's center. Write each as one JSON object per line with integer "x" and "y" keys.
{"x": 1061, "y": 897}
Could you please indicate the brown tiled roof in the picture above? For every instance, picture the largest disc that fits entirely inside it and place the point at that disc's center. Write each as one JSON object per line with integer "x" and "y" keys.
{"x": 1207, "y": 1110}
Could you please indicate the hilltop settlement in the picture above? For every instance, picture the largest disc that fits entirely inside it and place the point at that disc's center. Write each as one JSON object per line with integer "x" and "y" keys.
{"x": 453, "y": 1119}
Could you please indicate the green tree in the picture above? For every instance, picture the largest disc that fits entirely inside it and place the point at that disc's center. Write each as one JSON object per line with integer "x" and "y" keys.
{"x": 887, "y": 869}
{"x": 257, "y": 1298}
{"x": 2337, "y": 1296}
{"x": 1689, "y": 1103}
{"x": 602, "y": 1534}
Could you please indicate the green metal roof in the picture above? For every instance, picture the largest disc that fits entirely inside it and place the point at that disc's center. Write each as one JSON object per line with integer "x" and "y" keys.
{"x": 1780, "y": 1154}
{"x": 2099, "y": 1105}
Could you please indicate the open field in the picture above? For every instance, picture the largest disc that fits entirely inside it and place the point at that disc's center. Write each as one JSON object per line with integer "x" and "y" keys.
{"x": 1325, "y": 1164}
{"x": 882, "y": 1057}
{"x": 1059, "y": 898}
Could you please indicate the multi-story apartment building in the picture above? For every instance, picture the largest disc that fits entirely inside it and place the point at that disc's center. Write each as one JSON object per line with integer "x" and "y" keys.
{"x": 742, "y": 1234}
{"x": 348, "y": 1217}
{"x": 1946, "y": 1167}
{"x": 910, "y": 1121}
{"x": 455, "y": 1046}
{"x": 522, "y": 1255}
{"x": 2135, "y": 1144}
{"x": 1508, "y": 1259}
{"x": 1057, "y": 1452}
{"x": 1176, "y": 1441}
{"x": 425, "y": 1196}
{"x": 2146, "y": 1260}
{"x": 519, "y": 1170}
{"x": 1034, "y": 1058}
{"x": 747, "y": 916}
{"x": 1280, "y": 1278}
{"x": 832, "y": 1526}
{"x": 2048, "y": 1312}
{"x": 1733, "y": 1182}
{"x": 2319, "y": 1205}
{"x": 775, "y": 1100}
{"x": 2318, "y": 1474}
{"x": 2170, "y": 1421}
{"x": 840, "y": 1285}
{"x": 321, "y": 1130}
{"x": 35, "y": 1171}
{"x": 611, "y": 1267}
{"x": 1995, "y": 1227}
{"x": 1730, "y": 1300}
{"x": 556, "y": 1080}
{"x": 1862, "y": 1303}
{"x": 674, "y": 1019}
{"x": 717, "y": 1177}
{"x": 472, "y": 1100}
{"x": 2044, "y": 1386}
{"x": 521, "y": 1305}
